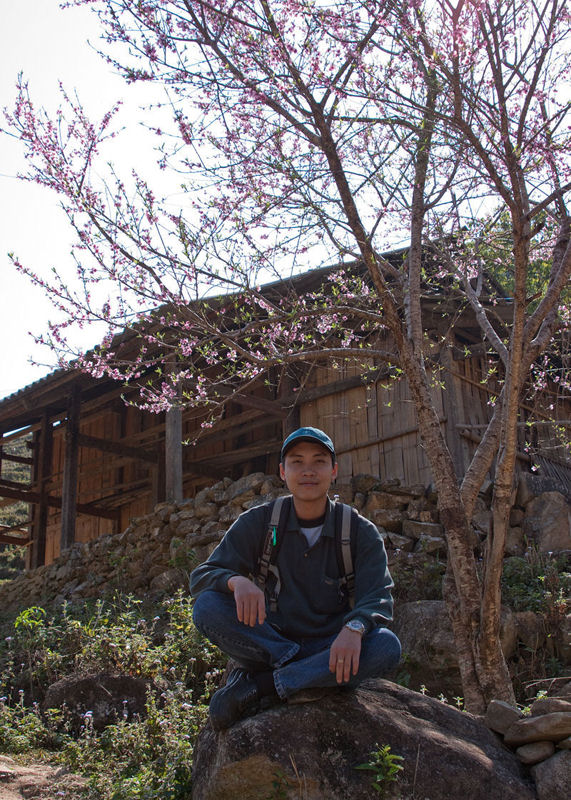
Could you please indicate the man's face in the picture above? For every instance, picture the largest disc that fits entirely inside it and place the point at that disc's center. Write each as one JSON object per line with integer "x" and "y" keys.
{"x": 308, "y": 471}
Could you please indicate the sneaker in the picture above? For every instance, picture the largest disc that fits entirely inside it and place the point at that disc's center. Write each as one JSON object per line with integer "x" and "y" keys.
{"x": 237, "y": 699}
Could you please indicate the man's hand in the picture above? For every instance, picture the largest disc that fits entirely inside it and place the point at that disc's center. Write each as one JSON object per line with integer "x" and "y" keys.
{"x": 250, "y": 600}
{"x": 344, "y": 655}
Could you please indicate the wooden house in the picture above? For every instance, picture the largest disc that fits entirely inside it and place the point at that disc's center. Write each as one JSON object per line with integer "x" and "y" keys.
{"x": 95, "y": 461}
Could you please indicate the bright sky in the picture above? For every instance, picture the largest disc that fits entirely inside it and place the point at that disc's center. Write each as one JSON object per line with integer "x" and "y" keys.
{"x": 48, "y": 44}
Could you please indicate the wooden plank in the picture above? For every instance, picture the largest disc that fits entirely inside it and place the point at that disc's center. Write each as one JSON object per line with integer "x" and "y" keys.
{"x": 372, "y": 428}
{"x": 118, "y": 448}
{"x": 452, "y": 399}
{"x": 70, "y": 471}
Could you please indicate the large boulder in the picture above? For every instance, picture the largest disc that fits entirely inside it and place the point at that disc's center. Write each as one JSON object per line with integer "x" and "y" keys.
{"x": 105, "y": 698}
{"x": 430, "y": 655}
{"x": 313, "y": 750}
{"x": 547, "y": 522}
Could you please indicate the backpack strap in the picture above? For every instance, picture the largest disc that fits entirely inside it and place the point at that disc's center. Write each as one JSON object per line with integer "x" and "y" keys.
{"x": 346, "y": 519}
{"x": 280, "y": 509}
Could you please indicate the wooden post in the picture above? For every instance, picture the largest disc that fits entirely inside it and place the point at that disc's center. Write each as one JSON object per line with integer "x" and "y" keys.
{"x": 70, "y": 471}
{"x": 42, "y": 455}
{"x": 173, "y": 449}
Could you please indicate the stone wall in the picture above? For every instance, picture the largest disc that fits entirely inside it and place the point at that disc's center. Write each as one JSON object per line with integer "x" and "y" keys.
{"x": 155, "y": 553}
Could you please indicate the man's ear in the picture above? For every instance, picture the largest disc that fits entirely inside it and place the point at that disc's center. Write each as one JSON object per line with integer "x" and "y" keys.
{"x": 335, "y": 471}
{"x": 282, "y": 473}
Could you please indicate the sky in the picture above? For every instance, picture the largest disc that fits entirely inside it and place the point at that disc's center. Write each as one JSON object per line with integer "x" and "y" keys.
{"x": 48, "y": 45}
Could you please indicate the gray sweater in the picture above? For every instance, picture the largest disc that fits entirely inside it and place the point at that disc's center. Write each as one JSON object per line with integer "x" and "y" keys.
{"x": 310, "y": 602}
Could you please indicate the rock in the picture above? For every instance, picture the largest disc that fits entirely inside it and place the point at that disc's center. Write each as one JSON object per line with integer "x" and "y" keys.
{"x": 244, "y": 488}
{"x": 312, "y": 750}
{"x": 422, "y": 510}
{"x": 359, "y": 501}
{"x": 430, "y": 544}
{"x": 553, "y": 777}
{"x": 530, "y": 486}
{"x": 205, "y": 495}
{"x": 482, "y": 517}
{"x": 565, "y": 744}
{"x": 516, "y": 517}
{"x": 548, "y": 727}
{"x": 549, "y": 705}
{"x": 515, "y": 542}
{"x": 364, "y": 483}
{"x": 229, "y": 513}
{"x": 548, "y": 522}
{"x": 424, "y": 630}
{"x": 400, "y": 542}
{"x": 270, "y": 484}
{"x": 343, "y": 491}
{"x": 387, "y": 518}
{"x": 108, "y": 698}
{"x": 206, "y": 510}
{"x": 508, "y": 632}
{"x": 414, "y": 529}
{"x": 383, "y": 500}
{"x": 168, "y": 581}
{"x": 530, "y": 629}
{"x": 186, "y": 526}
{"x": 535, "y": 752}
{"x": 565, "y": 645}
{"x": 500, "y": 716}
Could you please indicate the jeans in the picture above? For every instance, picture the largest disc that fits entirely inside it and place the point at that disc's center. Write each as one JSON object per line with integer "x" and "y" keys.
{"x": 296, "y": 665}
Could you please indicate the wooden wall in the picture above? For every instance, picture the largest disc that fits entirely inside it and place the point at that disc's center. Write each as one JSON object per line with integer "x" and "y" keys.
{"x": 373, "y": 425}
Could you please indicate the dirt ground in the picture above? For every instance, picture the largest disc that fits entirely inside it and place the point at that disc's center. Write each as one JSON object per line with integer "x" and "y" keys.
{"x": 37, "y": 781}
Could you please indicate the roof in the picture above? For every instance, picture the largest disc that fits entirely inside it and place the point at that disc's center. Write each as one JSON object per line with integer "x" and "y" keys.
{"x": 50, "y": 394}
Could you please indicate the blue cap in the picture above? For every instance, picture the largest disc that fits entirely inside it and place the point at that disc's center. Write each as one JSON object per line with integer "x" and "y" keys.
{"x": 308, "y": 435}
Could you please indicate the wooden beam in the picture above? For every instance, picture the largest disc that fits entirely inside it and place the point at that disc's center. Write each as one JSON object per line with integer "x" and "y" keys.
{"x": 4, "y": 482}
{"x": 235, "y": 456}
{"x": 42, "y": 468}
{"x": 14, "y": 540}
{"x": 26, "y": 496}
{"x": 18, "y": 527}
{"x": 70, "y": 470}
{"x": 117, "y": 448}
{"x": 17, "y": 459}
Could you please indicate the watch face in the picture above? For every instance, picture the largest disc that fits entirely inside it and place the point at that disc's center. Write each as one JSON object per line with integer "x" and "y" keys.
{"x": 354, "y": 625}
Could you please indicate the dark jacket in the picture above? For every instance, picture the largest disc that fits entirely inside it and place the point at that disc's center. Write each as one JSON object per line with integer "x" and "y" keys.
{"x": 310, "y": 602}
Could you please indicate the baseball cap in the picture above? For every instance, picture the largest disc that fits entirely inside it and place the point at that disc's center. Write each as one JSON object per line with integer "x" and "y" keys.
{"x": 307, "y": 435}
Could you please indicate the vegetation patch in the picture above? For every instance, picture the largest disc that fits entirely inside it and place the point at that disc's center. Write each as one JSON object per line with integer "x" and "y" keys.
{"x": 148, "y": 756}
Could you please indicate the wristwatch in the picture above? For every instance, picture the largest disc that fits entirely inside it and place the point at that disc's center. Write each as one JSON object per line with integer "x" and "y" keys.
{"x": 355, "y": 625}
